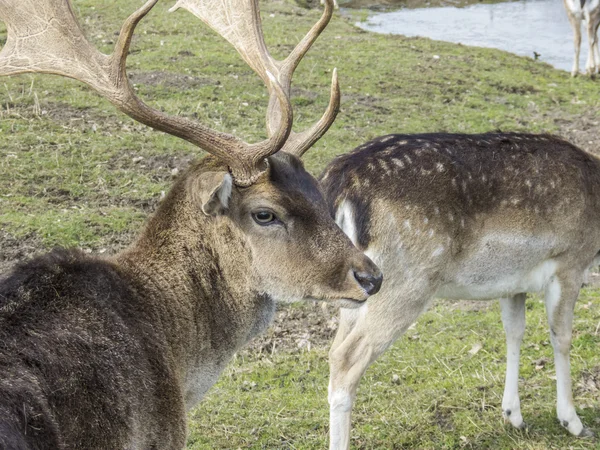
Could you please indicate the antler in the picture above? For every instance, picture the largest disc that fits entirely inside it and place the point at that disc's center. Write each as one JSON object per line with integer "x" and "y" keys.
{"x": 45, "y": 37}
{"x": 240, "y": 24}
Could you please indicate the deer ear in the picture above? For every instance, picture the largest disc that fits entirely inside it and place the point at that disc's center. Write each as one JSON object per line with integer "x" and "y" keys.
{"x": 215, "y": 192}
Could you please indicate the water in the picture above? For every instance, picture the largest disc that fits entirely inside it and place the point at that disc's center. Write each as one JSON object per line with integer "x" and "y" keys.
{"x": 522, "y": 27}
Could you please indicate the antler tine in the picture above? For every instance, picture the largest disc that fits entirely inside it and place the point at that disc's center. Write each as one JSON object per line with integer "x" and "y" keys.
{"x": 291, "y": 62}
{"x": 240, "y": 24}
{"x": 299, "y": 143}
{"x": 45, "y": 37}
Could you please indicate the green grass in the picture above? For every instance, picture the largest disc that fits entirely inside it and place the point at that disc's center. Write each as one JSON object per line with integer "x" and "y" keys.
{"x": 443, "y": 397}
{"x": 59, "y": 135}
{"x": 75, "y": 172}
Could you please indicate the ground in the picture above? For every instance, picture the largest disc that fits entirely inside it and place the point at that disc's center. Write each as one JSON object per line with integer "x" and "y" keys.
{"x": 73, "y": 172}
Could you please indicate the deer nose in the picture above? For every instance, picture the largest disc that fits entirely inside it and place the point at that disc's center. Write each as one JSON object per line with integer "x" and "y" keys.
{"x": 370, "y": 282}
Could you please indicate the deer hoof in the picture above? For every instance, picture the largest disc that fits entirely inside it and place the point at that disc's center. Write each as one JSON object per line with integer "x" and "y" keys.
{"x": 507, "y": 420}
{"x": 586, "y": 433}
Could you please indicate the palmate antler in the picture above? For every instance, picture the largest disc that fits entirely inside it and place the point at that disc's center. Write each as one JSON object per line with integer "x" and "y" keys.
{"x": 240, "y": 24}
{"x": 45, "y": 37}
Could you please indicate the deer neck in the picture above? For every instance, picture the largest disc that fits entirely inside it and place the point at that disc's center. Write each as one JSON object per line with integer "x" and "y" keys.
{"x": 199, "y": 282}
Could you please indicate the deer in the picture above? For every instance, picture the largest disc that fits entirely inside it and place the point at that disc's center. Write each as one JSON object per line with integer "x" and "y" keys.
{"x": 587, "y": 11}
{"x": 111, "y": 352}
{"x": 472, "y": 217}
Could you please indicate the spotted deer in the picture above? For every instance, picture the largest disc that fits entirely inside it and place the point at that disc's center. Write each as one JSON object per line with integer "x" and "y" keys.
{"x": 463, "y": 217}
{"x": 588, "y": 12}
{"x": 111, "y": 352}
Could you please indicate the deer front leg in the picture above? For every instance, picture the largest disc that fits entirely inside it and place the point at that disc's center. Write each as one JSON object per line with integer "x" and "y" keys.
{"x": 347, "y": 364}
{"x": 513, "y": 318}
{"x": 561, "y": 295}
{"x": 364, "y": 334}
{"x": 340, "y": 397}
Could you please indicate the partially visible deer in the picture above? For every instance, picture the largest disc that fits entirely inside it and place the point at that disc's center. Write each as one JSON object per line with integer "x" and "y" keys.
{"x": 111, "y": 352}
{"x": 464, "y": 217}
{"x": 587, "y": 11}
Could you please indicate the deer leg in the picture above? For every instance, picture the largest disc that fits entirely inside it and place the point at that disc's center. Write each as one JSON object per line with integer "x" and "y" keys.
{"x": 513, "y": 318}
{"x": 561, "y": 295}
{"x": 341, "y": 402}
{"x": 364, "y": 334}
{"x": 348, "y": 319}
{"x": 347, "y": 364}
{"x": 596, "y": 52}
{"x": 590, "y": 66}
{"x": 577, "y": 43}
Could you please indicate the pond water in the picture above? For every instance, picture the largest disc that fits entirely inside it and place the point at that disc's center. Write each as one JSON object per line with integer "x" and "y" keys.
{"x": 522, "y": 27}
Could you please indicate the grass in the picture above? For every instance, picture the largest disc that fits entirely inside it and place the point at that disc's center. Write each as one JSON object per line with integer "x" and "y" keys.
{"x": 75, "y": 172}
{"x": 65, "y": 148}
{"x": 425, "y": 392}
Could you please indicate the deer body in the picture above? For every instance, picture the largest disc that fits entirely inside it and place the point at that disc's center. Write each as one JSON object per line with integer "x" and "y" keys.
{"x": 80, "y": 369}
{"x": 588, "y": 12}
{"x": 464, "y": 217}
{"x": 112, "y": 353}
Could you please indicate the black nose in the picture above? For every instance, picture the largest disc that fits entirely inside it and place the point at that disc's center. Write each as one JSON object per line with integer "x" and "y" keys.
{"x": 370, "y": 282}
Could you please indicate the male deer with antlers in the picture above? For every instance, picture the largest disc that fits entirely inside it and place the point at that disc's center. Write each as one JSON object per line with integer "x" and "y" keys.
{"x": 111, "y": 353}
{"x": 464, "y": 217}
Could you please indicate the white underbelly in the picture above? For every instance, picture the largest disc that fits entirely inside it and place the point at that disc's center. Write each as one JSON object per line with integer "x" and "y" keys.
{"x": 503, "y": 283}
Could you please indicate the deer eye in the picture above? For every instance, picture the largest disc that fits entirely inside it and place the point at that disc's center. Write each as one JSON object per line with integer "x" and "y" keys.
{"x": 264, "y": 217}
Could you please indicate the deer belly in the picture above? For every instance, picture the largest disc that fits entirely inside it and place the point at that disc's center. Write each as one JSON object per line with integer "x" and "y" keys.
{"x": 503, "y": 282}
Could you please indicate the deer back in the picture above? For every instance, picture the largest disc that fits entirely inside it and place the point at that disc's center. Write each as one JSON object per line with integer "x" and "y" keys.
{"x": 446, "y": 195}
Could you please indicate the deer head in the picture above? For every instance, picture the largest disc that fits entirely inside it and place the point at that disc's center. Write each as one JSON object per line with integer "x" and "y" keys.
{"x": 270, "y": 208}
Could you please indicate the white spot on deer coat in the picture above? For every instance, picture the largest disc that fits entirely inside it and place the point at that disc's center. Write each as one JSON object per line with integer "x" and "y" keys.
{"x": 398, "y": 162}
{"x": 438, "y": 251}
{"x": 384, "y": 167}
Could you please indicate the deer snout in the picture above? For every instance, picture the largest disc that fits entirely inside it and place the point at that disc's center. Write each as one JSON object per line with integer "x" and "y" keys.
{"x": 369, "y": 281}
{"x": 367, "y": 275}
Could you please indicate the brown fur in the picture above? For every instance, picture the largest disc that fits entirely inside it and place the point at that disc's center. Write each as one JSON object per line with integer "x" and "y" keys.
{"x": 111, "y": 353}
{"x": 464, "y": 175}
